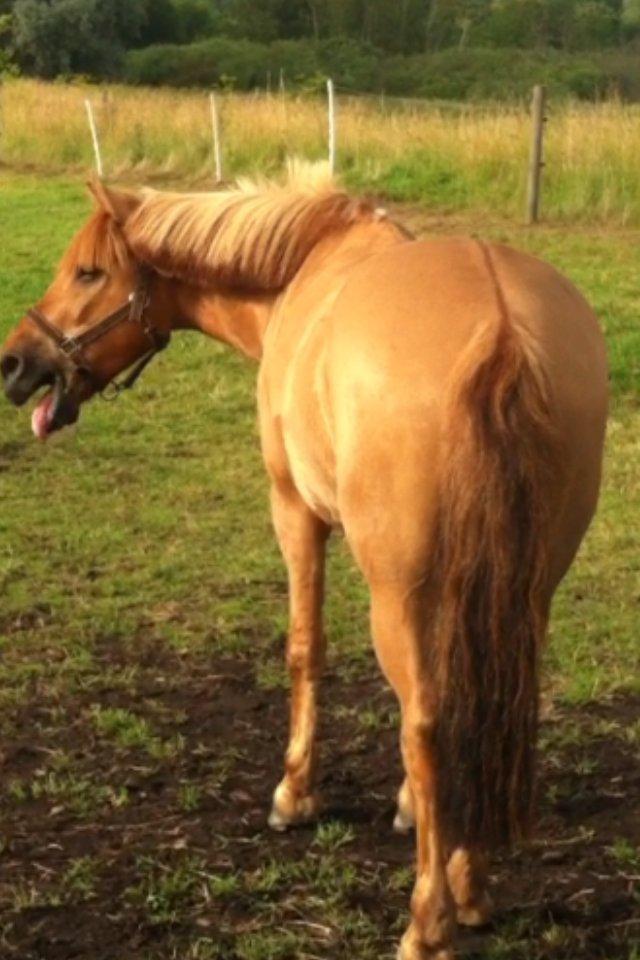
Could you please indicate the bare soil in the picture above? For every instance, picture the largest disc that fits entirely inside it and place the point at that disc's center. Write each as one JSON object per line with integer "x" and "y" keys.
{"x": 566, "y": 895}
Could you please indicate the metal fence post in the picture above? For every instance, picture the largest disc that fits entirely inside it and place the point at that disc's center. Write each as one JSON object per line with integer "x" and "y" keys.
{"x": 94, "y": 137}
{"x": 331, "y": 95}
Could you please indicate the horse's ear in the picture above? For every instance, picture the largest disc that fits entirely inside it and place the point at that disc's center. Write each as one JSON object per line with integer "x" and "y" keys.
{"x": 120, "y": 204}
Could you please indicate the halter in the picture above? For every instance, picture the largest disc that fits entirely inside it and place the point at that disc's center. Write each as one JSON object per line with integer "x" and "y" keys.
{"x": 73, "y": 347}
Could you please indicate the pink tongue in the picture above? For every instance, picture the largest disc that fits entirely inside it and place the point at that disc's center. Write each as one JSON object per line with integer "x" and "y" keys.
{"x": 40, "y": 418}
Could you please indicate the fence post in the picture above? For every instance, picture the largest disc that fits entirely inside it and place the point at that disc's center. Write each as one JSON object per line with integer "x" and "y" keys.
{"x": 331, "y": 94}
{"x": 217, "y": 138}
{"x": 94, "y": 137}
{"x": 536, "y": 162}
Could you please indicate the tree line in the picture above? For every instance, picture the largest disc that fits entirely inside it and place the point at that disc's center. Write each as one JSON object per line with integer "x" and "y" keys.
{"x": 49, "y": 38}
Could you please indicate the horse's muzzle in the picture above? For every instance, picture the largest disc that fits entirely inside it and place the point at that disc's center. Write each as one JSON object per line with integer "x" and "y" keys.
{"x": 23, "y": 374}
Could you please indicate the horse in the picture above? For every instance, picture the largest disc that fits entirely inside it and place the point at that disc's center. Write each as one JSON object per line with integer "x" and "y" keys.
{"x": 443, "y": 402}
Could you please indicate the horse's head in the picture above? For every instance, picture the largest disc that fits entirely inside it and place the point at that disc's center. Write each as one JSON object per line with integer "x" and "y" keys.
{"x": 98, "y": 317}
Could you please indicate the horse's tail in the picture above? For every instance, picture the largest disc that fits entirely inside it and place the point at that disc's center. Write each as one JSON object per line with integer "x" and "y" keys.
{"x": 489, "y": 573}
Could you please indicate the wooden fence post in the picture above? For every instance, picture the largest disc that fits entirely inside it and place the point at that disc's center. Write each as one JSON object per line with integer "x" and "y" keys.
{"x": 536, "y": 162}
{"x": 94, "y": 137}
{"x": 217, "y": 138}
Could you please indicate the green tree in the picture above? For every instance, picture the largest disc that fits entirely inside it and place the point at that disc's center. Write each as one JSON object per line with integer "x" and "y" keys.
{"x": 196, "y": 20}
{"x": 517, "y": 23}
{"x": 453, "y": 22}
{"x": 250, "y": 21}
{"x": 75, "y": 36}
{"x": 630, "y": 17}
{"x": 161, "y": 23}
{"x": 5, "y": 42}
{"x": 595, "y": 25}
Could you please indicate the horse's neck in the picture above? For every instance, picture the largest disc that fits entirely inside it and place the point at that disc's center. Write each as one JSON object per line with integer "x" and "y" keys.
{"x": 240, "y": 321}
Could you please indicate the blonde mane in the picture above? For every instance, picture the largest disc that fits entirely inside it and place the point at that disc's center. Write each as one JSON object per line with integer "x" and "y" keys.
{"x": 253, "y": 237}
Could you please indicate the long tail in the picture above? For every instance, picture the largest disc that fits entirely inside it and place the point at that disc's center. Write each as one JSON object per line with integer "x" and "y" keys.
{"x": 490, "y": 566}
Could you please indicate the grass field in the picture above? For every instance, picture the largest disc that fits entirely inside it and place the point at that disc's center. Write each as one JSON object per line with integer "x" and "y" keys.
{"x": 459, "y": 158}
{"x": 142, "y": 695}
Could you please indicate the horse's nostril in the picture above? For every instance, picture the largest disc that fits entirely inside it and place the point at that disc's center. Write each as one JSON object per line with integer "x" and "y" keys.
{"x": 11, "y": 366}
{"x": 23, "y": 374}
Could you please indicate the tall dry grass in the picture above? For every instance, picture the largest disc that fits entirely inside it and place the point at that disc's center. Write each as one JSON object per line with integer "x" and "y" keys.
{"x": 451, "y": 158}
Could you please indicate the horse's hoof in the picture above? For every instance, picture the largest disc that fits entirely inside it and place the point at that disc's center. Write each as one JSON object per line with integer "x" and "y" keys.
{"x": 411, "y": 948}
{"x": 477, "y": 914}
{"x": 405, "y": 819}
{"x": 288, "y": 811}
{"x": 423, "y": 953}
{"x": 277, "y": 822}
{"x": 403, "y": 823}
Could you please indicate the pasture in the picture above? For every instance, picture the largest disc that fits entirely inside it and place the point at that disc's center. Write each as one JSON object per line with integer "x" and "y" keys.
{"x": 143, "y": 697}
{"x": 452, "y": 156}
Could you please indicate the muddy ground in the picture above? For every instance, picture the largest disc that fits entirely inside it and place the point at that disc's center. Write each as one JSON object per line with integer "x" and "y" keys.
{"x": 113, "y": 860}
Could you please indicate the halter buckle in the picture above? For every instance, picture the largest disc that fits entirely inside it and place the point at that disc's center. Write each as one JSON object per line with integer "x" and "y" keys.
{"x": 70, "y": 346}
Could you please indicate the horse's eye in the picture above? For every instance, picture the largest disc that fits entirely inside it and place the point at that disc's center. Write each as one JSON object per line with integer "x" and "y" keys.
{"x": 88, "y": 274}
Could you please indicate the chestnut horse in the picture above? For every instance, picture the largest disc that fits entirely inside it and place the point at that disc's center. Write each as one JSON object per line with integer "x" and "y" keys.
{"x": 443, "y": 401}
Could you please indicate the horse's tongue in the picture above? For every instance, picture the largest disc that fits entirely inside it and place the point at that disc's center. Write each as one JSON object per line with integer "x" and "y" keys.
{"x": 41, "y": 417}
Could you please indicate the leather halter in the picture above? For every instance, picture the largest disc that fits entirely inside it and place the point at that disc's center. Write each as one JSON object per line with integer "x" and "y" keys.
{"x": 133, "y": 310}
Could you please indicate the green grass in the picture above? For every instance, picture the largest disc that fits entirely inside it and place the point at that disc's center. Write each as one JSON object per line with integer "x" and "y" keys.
{"x": 153, "y": 514}
{"x": 149, "y": 523}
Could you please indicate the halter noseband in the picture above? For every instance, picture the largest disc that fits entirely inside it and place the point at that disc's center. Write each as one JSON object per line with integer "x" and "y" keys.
{"x": 134, "y": 310}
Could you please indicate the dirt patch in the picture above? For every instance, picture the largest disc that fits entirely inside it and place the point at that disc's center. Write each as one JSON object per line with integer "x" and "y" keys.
{"x": 133, "y": 819}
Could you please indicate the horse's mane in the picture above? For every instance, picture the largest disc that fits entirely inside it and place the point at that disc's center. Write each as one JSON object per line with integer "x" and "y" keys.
{"x": 255, "y": 236}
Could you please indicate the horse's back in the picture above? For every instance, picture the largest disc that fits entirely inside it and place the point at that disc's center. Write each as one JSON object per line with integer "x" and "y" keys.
{"x": 405, "y": 316}
{"x": 397, "y": 333}
{"x": 368, "y": 387}
{"x": 408, "y": 314}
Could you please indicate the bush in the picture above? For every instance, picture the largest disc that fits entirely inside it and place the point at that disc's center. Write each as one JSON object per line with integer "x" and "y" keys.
{"x": 475, "y": 74}
{"x": 296, "y": 58}
{"x": 494, "y": 74}
{"x": 219, "y": 62}
{"x": 355, "y": 67}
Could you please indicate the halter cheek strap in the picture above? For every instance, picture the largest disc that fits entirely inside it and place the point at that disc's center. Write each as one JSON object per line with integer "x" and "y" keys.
{"x": 133, "y": 310}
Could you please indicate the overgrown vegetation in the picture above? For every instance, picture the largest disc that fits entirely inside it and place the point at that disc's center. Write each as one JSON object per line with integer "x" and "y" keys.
{"x": 452, "y": 158}
{"x": 451, "y": 74}
{"x": 434, "y": 48}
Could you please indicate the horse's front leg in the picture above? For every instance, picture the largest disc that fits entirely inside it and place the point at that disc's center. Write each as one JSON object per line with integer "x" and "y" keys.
{"x": 302, "y": 537}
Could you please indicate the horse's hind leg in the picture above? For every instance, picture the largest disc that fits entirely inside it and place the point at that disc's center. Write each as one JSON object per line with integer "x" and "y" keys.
{"x": 467, "y": 872}
{"x": 397, "y": 626}
{"x": 302, "y": 537}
